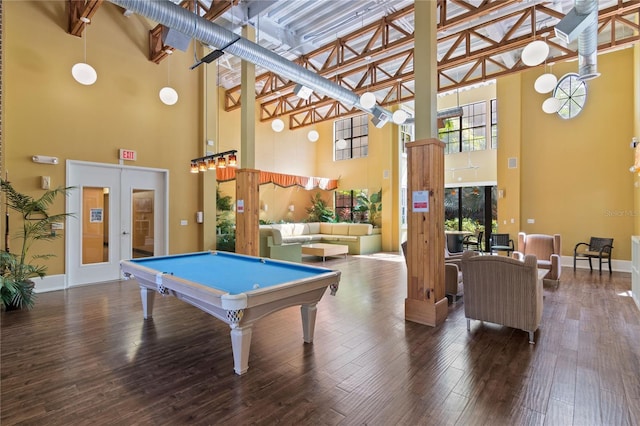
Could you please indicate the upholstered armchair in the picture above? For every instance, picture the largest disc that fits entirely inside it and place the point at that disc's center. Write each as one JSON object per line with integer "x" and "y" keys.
{"x": 502, "y": 290}
{"x": 547, "y": 249}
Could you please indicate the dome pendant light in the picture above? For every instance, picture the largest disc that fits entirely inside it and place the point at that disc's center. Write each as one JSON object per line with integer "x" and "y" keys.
{"x": 546, "y": 82}
{"x": 313, "y": 135}
{"x": 277, "y": 125}
{"x": 82, "y": 72}
{"x": 367, "y": 100}
{"x": 168, "y": 94}
{"x": 537, "y": 51}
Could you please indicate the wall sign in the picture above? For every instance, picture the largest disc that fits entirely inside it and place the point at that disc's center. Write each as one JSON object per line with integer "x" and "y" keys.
{"x": 95, "y": 215}
{"x": 128, "y": 154}
{"x": 240, "y": 207}
{"x": 420, "y": 201}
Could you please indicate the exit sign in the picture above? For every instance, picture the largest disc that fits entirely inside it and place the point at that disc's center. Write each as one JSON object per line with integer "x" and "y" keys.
{"x": 127, "y": 154}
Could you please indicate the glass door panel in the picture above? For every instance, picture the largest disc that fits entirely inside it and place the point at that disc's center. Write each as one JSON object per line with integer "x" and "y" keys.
{"x": 95, "y": 225}
{"x": 142, "y": 244}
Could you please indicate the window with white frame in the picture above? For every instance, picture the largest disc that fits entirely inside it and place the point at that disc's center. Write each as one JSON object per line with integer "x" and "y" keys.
{"x": 351, "y": 137}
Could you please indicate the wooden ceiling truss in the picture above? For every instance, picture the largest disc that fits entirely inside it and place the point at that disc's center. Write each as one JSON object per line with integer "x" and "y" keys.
{"x": 379, "y": 57}
{"x": 158, "y": 50}
{"x": 471, "y": 56}
{"x": 77, "y": 9}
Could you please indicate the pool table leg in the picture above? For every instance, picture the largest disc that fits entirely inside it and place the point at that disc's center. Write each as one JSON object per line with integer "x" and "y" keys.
{"x": 147, "y": 301}
{"x": 308, "y": 312}
{"x": 240, "y": 344}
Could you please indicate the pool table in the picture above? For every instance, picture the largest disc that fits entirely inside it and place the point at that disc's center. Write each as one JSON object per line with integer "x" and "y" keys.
{"x": 234, "y": 288}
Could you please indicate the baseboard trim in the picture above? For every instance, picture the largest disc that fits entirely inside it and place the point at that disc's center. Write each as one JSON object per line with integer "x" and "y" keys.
{"x": 50, "y": 283}
{"x": 616, "y": 265}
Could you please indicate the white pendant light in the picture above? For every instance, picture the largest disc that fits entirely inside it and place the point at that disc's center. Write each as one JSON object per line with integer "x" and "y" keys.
{"x": 168, "y": 94}
{"x": 535, "y": 53}
{"x": 277, "y": 125}
{"x": 399, "y": 116}
{"x": 551, "y": 105}
{"x": 341, "y": 144}
{"x": 82, "y": 72}
{"x": 313, "y": 135}
{"x": 545, "y": 83}
{"x": 367, "y": 100}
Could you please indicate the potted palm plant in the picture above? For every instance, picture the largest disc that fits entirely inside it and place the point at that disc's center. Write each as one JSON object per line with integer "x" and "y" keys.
{"x": 17, "y": 268}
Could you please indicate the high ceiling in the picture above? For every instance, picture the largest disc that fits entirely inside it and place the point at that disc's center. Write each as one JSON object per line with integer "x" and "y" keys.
{"x": 367, "y": 45}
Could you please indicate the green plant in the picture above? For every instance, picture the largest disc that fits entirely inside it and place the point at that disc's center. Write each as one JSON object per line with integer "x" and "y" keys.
{"x": 225, "y": 223}
{"x": 17, "y": 269}
{"x": 319, "y": 211}
{"x": 371, "y": 207}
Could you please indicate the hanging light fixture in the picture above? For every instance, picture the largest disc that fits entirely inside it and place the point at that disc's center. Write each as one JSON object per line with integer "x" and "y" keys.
{"x": 82, "y": 72}
{"x": 277, "y": 125}
{"x": 537, "y": 51}
{"x": 214, "y": 161}
{"x": 547, "y": 81}
{"x": 313, "y": 135}
{"x": 168, "y": 94}
{"x": 367, "y": 100}
{"x": 551, "y": 105}
{"x": 400, "y": 116}
{"x": 233, "y": 160}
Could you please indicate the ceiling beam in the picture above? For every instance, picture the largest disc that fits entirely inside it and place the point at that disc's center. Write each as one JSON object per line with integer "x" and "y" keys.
{"x": 158, "y": 50}
{"x": 77, "y": 9}
{"x": 481, "y": 64}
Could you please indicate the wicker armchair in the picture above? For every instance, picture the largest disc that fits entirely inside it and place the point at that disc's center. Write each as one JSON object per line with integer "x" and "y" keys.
{"x": 547, "y": 249}
{"x": 598, "y": 248}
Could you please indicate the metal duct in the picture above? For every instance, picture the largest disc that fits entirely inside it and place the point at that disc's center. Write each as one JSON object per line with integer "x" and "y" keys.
{"x": 175, "y": 17}
{"x": 588, "y": 40}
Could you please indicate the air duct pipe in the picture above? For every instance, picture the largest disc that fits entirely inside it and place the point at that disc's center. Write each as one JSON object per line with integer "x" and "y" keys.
{"x": 175, "y": 17}
{"x": 588, "y": 40}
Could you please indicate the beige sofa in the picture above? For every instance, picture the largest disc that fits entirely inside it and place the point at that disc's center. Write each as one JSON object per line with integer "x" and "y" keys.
{"x": 502, "y": 290}
{"x": 284, "y": 241}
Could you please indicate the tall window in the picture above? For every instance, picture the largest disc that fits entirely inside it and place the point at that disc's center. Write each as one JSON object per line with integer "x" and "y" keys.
{"x": 466, "y": 133}
{"x": 346, "y": 202}
{"x": 494, "y": 124}
{"x": 474, "y": 127}
{"x": 354, "y": 131}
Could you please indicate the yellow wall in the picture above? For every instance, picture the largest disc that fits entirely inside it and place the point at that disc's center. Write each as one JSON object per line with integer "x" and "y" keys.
{"x": 509, "y": 135}
{"x": 636, "y": 133}
{"x": 48, "y": 113}
{"x": 574, "y": 177}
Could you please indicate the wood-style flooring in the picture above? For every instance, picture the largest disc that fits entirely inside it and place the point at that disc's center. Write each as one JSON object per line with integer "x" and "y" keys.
{"x": 86, "y": 356}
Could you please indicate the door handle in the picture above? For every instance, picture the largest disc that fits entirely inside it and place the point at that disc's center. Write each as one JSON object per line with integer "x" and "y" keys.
{"x": 125, "y": 233}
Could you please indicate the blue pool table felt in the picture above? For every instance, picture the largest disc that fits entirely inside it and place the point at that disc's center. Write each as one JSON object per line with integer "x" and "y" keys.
{"x": 229, "y": 272}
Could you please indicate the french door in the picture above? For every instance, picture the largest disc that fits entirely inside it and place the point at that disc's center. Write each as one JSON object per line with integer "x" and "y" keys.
{"x": 119, "y": 212}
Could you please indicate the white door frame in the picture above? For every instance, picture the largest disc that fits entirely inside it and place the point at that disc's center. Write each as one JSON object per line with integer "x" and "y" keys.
{"x": 72, "y": 242}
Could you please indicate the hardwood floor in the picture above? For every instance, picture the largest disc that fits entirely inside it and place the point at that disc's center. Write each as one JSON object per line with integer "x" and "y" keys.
{"x": 86, "y": 356}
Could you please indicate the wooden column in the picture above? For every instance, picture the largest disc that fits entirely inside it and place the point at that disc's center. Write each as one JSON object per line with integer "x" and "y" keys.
{"x": 247, "y": 212}
{"x": 426, "y": 302}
